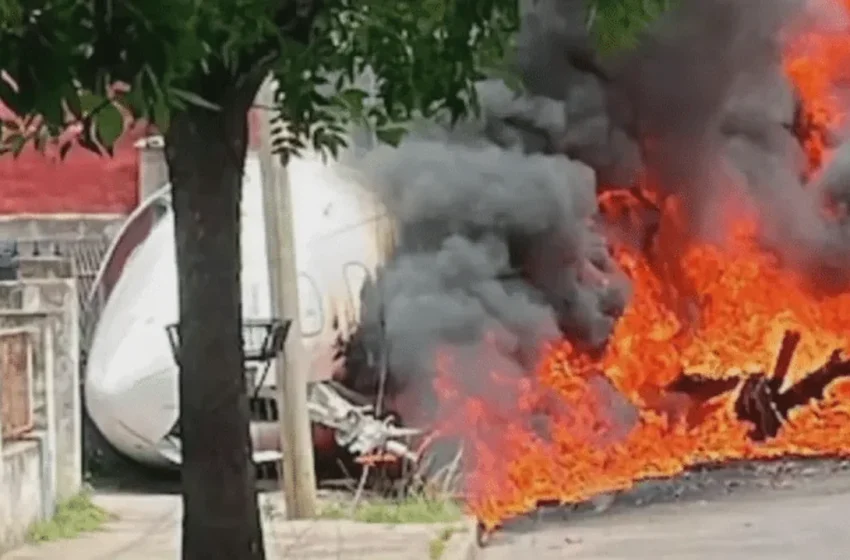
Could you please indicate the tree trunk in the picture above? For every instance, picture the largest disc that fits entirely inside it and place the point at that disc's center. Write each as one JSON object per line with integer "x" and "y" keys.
{"x": 206, "y": 151}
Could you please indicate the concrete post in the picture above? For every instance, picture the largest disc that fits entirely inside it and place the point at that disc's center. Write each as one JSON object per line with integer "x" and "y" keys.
{"x": 153, "y": 170}
{"x": 292, "y": 371}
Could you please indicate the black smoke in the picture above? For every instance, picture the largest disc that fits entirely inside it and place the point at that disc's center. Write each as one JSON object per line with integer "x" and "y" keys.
{"x": 499, "y": 243}
{"x": 496, "y": 253}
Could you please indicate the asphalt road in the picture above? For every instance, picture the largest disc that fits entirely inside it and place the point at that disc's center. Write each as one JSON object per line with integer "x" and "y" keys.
{"x": 801, "y": 519}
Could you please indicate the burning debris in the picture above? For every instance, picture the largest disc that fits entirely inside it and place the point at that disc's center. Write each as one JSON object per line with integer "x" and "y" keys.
{"x": 762, "y": 400}
{"x": 561, "y": 262}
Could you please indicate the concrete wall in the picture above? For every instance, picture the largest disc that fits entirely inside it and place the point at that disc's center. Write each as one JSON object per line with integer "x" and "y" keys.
{"x": 45, "y": 267}
{"x": 58, "y": 258}
{"x": 56, "y": 298}
{"x": 28, "y": 472}
{"x": 23, "y": 499}
{"x": 82, "y": 240}
{"x": 58, "y": 253}
{"x": 62, "y": 226}
{"x": 45, "y": 466}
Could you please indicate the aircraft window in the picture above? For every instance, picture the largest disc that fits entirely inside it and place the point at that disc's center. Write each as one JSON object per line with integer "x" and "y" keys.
{"x": 310, "y": 305}
{"x": 132, "y": 234}
{"x": 356, "y": 274}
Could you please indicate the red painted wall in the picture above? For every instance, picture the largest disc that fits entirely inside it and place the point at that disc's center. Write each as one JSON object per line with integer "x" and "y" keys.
{"x": 82, "y": 183}
{"x": 41, "y": 183}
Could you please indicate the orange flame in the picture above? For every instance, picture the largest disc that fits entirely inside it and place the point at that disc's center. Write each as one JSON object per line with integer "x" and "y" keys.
{"x": 746, "y": 303}
{"x": 818, "y": 64}
{"x": 553, "y": 442}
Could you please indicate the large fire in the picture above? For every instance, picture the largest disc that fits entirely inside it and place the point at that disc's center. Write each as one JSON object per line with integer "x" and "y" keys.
{"x": 560, "y": 437}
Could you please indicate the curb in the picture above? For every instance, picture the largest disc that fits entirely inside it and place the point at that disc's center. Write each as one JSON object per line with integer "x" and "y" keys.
{"x": 463, "y": 544}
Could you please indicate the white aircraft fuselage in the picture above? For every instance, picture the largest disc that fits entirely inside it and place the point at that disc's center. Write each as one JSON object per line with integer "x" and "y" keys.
{"x": 131, "y": 379}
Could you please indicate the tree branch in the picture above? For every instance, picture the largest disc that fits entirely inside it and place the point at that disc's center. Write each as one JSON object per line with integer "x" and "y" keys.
{"x": 295, "y": 19}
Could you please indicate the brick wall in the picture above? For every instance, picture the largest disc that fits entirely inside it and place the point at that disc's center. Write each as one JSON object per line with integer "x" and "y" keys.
{"x": 82, "y": 183}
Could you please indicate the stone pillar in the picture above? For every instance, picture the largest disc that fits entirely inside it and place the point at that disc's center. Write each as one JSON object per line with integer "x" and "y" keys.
{"x": 153, "y": 171}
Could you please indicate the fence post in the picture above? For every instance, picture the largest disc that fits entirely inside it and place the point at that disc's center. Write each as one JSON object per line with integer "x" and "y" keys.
{"x": 8, "y": 260}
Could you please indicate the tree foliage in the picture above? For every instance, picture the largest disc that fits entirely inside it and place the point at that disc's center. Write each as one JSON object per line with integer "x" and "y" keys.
{"x": 62, "y": 60}
{"x": 617, "y": 24}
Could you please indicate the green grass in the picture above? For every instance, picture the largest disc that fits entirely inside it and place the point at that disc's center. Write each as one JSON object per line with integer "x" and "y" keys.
{"x": 73, "y": 517}
{"x": 415, "y": 509}
{"x": 438, "y": 545}
{"x": 410, "y": 510}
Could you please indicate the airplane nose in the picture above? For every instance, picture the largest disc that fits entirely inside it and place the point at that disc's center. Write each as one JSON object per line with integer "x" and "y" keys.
{"x": 135, "y": 383}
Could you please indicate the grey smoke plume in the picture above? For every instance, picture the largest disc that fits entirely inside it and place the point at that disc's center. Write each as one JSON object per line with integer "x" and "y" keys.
{"x": 499, "y": 248}
{"x": 703, "y": 104}
{"x": 496, "y": 254}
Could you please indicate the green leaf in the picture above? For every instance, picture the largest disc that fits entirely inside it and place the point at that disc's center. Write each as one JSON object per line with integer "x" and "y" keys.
{"x": 74, "y": 103}
{"x": 391, "y": 135}
{"x": 161, "y": 116}
{"x": 195, "y": 99}
{"x": 353, "y": 99}
{"x": 51, "y": 109}
{"x": 133, "y": 101}
{"x": 90, "y": 102}
{"x": 109, "y": 124}
{"x": 154, "y": 82}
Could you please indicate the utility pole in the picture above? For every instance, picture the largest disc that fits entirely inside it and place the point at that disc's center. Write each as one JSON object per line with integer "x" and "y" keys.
{"x": 299, "y": 478}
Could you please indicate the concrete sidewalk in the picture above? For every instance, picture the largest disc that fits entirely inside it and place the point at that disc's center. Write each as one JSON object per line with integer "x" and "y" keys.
{"x": 147, "y": 528}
